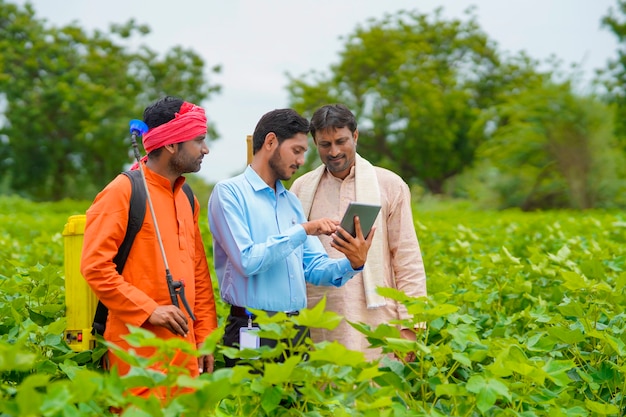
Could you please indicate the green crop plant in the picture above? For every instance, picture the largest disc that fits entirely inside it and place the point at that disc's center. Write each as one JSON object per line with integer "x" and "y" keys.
{"x": 524, "y": 317}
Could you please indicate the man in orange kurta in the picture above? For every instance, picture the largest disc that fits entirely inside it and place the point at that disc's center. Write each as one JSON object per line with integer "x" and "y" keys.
{"x": 139, "y": 296}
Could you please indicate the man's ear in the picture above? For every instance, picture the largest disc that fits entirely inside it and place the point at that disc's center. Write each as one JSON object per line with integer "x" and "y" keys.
{"x": 171, "y": 148}
{"x": 355, "y": 135}
{"x": 270, "y": 140}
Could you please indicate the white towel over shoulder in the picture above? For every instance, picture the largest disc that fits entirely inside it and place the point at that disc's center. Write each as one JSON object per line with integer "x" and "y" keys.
{"x": 367, "y": 191}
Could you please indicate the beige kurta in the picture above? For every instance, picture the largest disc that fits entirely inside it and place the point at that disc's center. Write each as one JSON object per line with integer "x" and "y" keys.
{"x": 402, "y": 260}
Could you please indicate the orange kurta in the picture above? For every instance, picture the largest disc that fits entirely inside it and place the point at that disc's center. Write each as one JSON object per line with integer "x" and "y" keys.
{"x": 133, "y": 296}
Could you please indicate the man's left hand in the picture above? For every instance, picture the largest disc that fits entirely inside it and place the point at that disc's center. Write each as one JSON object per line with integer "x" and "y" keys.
{"x": 205, "y": 364}
{"x": 355, "y": 248}
{"x": 409, "y": 335}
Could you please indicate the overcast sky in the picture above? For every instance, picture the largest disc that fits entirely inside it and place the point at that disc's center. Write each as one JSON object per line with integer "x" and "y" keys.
{"x": 258, "y": 41}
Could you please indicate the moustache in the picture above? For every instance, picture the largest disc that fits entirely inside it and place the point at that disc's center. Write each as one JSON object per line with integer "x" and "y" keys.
{"x": 334, "y": 158}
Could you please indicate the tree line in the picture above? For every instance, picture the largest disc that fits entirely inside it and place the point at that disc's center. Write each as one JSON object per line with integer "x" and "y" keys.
{"x": 437, "y": 102}
{"x": 67, "y": 99}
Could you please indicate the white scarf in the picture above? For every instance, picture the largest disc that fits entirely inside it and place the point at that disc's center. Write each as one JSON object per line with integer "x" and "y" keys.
{"x": 367, "y": 191}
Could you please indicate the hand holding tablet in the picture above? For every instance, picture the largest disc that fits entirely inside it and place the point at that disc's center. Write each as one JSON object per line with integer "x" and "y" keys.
{"x": 367, "y": 214}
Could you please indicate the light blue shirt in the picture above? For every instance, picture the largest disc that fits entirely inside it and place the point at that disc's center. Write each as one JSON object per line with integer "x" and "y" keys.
{"x": 262, "y": 254}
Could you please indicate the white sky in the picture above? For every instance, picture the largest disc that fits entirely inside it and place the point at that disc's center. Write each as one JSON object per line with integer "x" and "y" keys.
{"x": 258, "y": 41}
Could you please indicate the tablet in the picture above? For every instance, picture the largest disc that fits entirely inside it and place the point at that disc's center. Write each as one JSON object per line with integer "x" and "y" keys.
{"x": 367, "y": 214}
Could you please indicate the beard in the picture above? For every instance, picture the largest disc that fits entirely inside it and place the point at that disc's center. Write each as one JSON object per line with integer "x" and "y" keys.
{"x": 182, "y": 164}
{"x": 339, "y": 164}
{"x": 278, "y": 167}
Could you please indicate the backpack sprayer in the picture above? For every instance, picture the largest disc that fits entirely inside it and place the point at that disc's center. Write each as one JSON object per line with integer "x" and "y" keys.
{"x": 176, "y": 288}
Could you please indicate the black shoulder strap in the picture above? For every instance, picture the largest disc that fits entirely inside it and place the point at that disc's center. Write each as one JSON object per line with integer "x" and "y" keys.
{"x": 189, "y": 193}
{"x": 136, "y": 215}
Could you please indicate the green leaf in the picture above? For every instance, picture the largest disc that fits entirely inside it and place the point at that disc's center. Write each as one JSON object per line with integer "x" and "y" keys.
{"x": 40, "y": 319}
{"x": 220, "y": 386}
{"x": 573, "y": 281}
{"x": 369, "y": 373}
{"x": 488, "y": 390}
{"x": 571, "y": 309}
{"x": 509, "y": 256}
{"x": 601, "y": 408}
{"x": 464, "y": 334}
{"x": 568, "y": 336}
{"x": 29, "y": 397}
{"x": 485, "y": 399}
{"x": 400, "y": 345}
{"x": 462, "y": 358}
{"x": 58, "y": 326}
{"x": 318, "y": 318}
{"x": 557, "y": 371}
{"x": 12, "y": 358}
{"x": 451, "y": 390}
{"x": 278, "y": 373}
{"x": 540, "y": 342}
{"x": 380, "y": 402}
{"x": 336, "y": 353}
{"x": 57, "y": 398}
{"x": 270, "y": 399}
{"x": 562, "y": 255}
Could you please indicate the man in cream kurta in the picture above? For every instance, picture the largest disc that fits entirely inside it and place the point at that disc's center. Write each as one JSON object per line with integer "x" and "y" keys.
{"x": 394, "y": 258}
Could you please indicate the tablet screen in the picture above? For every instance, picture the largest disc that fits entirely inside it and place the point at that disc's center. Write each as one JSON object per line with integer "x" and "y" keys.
{"x": 367, "y": 214}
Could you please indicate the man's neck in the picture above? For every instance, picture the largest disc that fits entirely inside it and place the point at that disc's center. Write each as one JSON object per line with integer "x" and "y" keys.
{"x": 263, "y": 171}
{"x": 163, "y": 171}
{"x": 341, "y": 175}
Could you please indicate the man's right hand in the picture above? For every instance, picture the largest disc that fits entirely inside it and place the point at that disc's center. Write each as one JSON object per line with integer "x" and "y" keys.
{"x": 323, "y": 226}
{"x": 170, "y": 317}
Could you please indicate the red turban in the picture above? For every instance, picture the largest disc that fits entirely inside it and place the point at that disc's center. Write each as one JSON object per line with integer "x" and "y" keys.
{"x": 187, "y": 124}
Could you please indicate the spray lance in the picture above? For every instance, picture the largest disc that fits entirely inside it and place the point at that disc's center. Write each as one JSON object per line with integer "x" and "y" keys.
{"x": 176, "y": 288}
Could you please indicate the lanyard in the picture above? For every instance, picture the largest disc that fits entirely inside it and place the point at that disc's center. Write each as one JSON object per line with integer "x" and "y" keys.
{"x": 249, "y": 318}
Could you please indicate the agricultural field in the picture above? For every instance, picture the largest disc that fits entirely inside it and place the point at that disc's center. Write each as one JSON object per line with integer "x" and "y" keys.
{"x": 525, "y": 317}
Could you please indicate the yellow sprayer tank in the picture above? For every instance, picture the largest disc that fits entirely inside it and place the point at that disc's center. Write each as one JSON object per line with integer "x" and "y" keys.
{"x": 80, "y": 301}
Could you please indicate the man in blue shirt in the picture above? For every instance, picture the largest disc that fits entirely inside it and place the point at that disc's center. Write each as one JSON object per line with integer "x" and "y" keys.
{"x": 264, "y": 248}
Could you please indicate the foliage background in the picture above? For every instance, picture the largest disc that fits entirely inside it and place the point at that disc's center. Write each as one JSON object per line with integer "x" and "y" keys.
{"x": 436, "y": 99}
{"x": 525, "y": 318}
{"x": 525, "y": 310}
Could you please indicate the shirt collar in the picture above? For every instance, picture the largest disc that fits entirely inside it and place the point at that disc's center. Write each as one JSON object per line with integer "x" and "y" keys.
{"x": 161, "y": 180}
{"x": 257, "y": 182}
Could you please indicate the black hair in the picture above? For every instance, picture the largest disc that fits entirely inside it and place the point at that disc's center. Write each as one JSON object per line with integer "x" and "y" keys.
{"x": 285, "y": 123}
{"x": 333, "y": 116}
{"x": 161, "y": 111}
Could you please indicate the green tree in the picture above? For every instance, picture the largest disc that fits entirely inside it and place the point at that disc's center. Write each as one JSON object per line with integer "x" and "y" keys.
{"x": 68, "y": 96}
{"x": 614, "y": 76}
{"x": 417, "y": 85}
{"x": 550, "y": 147}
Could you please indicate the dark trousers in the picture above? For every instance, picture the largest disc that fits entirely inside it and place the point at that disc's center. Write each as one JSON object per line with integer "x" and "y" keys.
{"x": 237, "y": 321}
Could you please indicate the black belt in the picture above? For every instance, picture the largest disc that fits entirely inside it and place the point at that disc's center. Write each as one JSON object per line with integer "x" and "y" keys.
{"x": 241, "y": 312}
